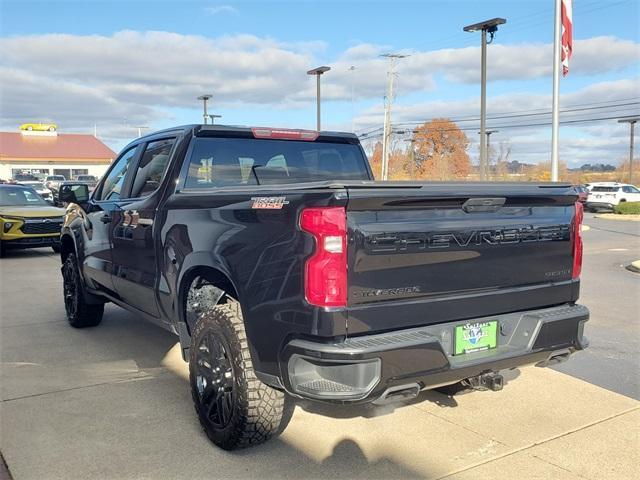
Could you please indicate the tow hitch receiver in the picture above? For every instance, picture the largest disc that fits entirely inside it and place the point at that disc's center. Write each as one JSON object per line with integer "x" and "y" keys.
{"x": 491, "y": 381}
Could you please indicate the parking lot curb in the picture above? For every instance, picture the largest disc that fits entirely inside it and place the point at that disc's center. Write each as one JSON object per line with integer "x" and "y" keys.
{"x": 617, "y": 216}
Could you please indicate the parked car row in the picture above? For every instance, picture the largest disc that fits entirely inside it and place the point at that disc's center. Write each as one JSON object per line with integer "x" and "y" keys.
{"x": 49, "y": 187}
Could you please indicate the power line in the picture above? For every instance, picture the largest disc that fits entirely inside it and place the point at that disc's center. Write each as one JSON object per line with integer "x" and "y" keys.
{"x": 535, "y": 112}
{"x": 523, "y": 113}
{"x": 521, "y": 125}
{"x": 492, "y": 117}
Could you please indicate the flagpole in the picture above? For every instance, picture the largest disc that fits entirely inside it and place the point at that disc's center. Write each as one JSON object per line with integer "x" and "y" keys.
{"x": 555, "y": 113}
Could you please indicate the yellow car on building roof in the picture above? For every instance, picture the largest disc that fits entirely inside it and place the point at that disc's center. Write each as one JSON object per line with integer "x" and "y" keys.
{"x": 39, "y": 127}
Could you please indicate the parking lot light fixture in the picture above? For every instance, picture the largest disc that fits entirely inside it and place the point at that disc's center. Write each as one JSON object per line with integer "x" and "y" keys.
{"x": 491, "y": 27}
{"x": 318, "y": 71}
{"x": 205, "y": 99}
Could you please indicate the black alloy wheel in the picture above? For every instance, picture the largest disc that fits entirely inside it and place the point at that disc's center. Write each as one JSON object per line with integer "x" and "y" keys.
{"x": 80, "y": 313}
{"x": 215, "y": 381}
{"x": 70, "y": 289}
{"x": 234, "y": 407}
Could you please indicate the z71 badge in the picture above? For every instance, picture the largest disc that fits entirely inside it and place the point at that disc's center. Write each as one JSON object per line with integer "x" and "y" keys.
{"x": 270, "y": 203}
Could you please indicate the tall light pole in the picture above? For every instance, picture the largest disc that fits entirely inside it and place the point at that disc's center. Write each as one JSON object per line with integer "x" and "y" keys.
{"x": 140, "y": 128}
{"x": 491, "y": 27}
{"x": 352, "y": 69}
{"x": 213, "y": 117}
{"x": 632, "y": 124}
{"x": 488, "y": 163}
{"x": 386, "y": 131}
{"x": 318, "y": 72}
{"x": 204, "y": 99}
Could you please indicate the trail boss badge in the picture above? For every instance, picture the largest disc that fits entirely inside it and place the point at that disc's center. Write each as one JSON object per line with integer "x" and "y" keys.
{"x": 269, "y": 203}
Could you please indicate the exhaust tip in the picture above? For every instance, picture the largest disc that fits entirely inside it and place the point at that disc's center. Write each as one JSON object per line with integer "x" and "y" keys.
{"x": 398, "y": 393}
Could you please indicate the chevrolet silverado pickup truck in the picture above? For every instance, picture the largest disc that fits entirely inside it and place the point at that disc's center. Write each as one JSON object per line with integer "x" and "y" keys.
{"x": 288, "y": 273}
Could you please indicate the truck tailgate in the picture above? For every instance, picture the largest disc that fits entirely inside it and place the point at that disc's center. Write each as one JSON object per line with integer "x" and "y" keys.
{"x": 456, "y": 251}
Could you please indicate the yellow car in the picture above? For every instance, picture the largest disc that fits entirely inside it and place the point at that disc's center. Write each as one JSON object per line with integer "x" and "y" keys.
{"x": 26, "y": 220}
{"x": 39, "y": 127}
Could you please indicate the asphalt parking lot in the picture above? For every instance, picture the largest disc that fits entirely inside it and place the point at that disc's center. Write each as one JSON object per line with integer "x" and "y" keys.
{"x": 612, "y": 294}
{"x": 113, "y": 402}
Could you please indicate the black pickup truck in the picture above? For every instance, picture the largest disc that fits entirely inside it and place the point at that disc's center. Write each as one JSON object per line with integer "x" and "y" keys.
{"x": 287, "y": 272}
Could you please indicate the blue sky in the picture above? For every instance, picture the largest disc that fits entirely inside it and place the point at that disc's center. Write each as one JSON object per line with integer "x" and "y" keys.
{"x": 117, "y": 64}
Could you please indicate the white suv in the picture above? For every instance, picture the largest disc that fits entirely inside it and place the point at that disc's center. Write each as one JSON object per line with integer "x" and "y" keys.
{"x": 606, "y": 195}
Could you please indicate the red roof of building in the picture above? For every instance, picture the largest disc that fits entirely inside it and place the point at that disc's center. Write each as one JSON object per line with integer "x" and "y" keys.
{"x": 60, "y": 146}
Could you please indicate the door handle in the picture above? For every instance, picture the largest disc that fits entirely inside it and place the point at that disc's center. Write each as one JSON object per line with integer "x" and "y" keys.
{"x": 105, "y": 218}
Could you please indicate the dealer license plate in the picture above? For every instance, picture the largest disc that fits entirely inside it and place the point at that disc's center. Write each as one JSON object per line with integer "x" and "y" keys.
{"x": 474, "y": 337}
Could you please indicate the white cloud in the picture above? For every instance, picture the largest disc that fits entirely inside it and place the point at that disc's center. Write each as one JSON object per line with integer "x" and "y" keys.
{"x": 218, "y": 9}
{"x": 79, "y": 80}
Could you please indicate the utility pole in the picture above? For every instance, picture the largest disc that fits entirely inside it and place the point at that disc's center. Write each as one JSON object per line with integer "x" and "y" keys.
{"x": 488, "y": 162}
{"x": 632, "y": 124}
{"x": 213, "y": 118}
{"x": 318, "y": 73}
{"x": 204, "y": 99}
{"x": 386, "y": 131}
{"x": 490, "y": 26}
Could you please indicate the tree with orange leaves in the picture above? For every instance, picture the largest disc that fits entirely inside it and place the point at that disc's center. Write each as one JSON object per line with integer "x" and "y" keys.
{"x": 375, "y": 161}
{"x": 440, "y": 151}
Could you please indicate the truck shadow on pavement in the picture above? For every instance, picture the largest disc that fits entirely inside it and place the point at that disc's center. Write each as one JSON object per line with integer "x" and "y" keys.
{"x": 125, "y": 380}
{"x": 155, "y": 352}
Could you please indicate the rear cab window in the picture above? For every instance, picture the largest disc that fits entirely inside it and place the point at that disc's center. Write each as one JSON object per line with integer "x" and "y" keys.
{"x": 222, "y": 162}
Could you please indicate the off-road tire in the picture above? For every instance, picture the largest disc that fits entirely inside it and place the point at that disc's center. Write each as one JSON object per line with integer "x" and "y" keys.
{"x": 56, "y": 248}
{"x": 3, "y": 250}
{"x": 80, "y": 314}
{"x": 258, "y": 412}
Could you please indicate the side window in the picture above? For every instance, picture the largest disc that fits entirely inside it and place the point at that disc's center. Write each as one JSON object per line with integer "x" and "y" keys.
{"x": 112, "y": 186}
{"x": 151, "y": 168}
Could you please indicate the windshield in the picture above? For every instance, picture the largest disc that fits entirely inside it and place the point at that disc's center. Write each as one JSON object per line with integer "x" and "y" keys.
{"x": 218, "y": 162}
{"x": 19, "y": 197}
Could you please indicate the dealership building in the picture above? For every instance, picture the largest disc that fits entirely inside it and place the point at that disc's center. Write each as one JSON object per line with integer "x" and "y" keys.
{"x": 52, "y": 153}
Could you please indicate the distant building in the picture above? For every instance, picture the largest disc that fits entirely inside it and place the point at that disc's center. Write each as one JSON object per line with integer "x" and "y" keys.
{"x": 51, "y": 153}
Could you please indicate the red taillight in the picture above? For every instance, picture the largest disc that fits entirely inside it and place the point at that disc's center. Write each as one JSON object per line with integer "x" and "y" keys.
{"x": 285, "y": 134}
{"x": 325, "y": 273}
{"x": 577, "y": 240}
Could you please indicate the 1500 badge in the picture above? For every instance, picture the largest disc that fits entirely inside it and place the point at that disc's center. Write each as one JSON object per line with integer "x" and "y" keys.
{"x": 385, "y": 292}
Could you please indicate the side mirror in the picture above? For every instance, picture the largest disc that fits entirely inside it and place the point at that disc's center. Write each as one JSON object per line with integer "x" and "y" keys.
{"x": 74, "y": 193}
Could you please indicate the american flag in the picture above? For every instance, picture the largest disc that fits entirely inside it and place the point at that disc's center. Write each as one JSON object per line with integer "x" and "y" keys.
{"x": 567, "y": 35}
